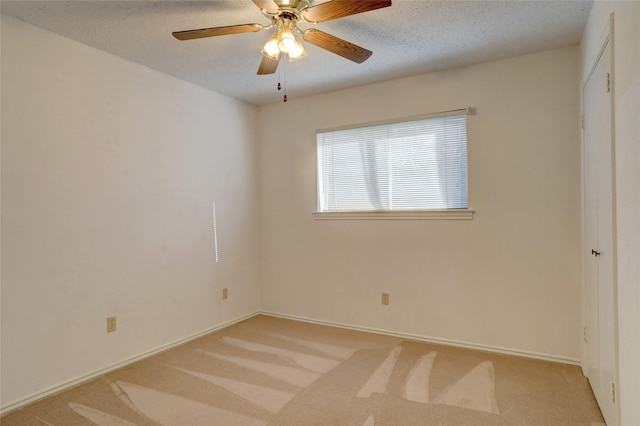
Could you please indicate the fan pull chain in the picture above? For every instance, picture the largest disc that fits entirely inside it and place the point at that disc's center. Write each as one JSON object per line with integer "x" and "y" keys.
{"x": 279, "y": 76}
{"x": 285, "y": 80}
{"x": 282, "y": 74}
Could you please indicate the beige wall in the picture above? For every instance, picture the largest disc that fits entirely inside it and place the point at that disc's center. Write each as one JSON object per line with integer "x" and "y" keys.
{"x": 510, "y": 278}
{"x": 626, "y": 93}
{"x": 109, "y": 172}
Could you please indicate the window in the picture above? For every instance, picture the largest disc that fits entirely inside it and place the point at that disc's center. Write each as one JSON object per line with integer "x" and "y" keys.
{"x": 402, "y": 166}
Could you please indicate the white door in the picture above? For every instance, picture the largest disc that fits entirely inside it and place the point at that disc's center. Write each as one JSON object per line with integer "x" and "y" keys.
{"x": 599, "y": 234}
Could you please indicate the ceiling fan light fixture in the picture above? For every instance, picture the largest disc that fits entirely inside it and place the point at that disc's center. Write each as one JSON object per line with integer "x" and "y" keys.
{"x": 296, "y": 51}
{"x": 287, "y": 3}
{"x": 271, "y": 49}
{"x": 286, "y": 39}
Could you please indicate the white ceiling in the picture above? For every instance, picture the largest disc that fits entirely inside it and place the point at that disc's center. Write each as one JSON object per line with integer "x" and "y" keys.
{"x": 408, "y": 38}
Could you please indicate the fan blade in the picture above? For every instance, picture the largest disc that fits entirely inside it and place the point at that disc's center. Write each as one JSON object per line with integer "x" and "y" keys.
{"x": 216, "y": 31}
{"x": 341, "y": 8}
{"x": 267, "y": 5}
{"x": 267, "y": 66}
{"x": 338, "y": 46}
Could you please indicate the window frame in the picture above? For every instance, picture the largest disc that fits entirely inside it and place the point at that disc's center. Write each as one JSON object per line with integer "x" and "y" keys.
{"x": 429, "y": 214}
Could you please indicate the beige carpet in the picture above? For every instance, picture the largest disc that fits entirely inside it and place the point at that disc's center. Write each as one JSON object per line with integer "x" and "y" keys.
{"x": 273, "y": 371}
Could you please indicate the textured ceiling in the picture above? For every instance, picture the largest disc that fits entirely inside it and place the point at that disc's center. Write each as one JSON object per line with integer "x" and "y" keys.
{"x": 408, "y": 38}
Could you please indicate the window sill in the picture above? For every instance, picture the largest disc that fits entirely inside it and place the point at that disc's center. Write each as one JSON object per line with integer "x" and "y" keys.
{"x": 397, "y": 215}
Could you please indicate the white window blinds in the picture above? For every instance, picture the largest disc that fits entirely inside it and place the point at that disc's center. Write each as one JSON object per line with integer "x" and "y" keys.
{"x": 413, "y": 165}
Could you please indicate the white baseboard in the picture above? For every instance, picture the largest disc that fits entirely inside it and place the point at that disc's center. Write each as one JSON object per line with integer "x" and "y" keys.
{"x": 437, "y": 340}
{"x": 86, "y": 377}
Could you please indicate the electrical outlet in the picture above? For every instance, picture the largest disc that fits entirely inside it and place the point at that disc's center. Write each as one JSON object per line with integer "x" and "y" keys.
{"x": 225, "y": 293}
{"x": 111, "y": 324}
{"x": 385, "y": 298}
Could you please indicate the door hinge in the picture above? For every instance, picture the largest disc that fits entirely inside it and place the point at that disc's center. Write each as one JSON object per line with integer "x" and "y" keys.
{"x": 582, "y": 121}
{"x": 584, "y": 334}
{"x": 613, "y": 392}
{"x": 608, "y": 82}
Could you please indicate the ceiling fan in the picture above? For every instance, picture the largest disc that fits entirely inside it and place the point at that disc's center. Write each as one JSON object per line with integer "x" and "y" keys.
{"x": 284, "y": 16}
